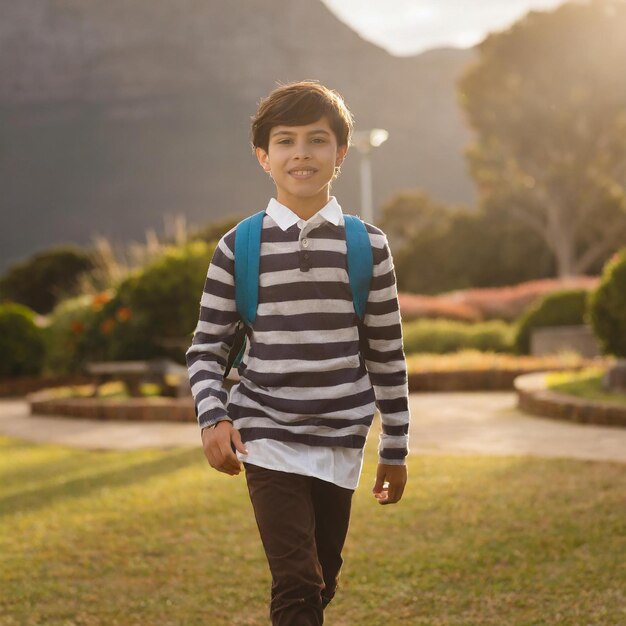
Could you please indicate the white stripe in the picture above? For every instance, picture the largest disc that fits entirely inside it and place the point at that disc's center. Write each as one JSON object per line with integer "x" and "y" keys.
{"x": 297, "y": 307}
{"x": 295, "y": 275}
{"x": 296, "y": 337}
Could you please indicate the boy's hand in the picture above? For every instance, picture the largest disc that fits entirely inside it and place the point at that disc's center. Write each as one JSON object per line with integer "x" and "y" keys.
{"x": 396, "y": 476}
{"x": 218, "y": 448}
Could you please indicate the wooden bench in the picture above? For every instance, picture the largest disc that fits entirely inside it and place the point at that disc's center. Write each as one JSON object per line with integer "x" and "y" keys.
{"x": 134, "y": 373}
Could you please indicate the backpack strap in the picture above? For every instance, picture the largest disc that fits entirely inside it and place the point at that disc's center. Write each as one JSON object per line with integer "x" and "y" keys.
{"x": 247, "y": 259}
{"x": 360, "y": 262}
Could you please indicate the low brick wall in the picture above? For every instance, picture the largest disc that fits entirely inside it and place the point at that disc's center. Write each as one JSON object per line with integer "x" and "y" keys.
{"x": 534, "y": 397}
{"x": 22, "y": 385}
{"x": 133, "y": 409}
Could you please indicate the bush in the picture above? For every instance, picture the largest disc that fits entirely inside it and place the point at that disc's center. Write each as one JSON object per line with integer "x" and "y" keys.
{"x": 65, "y": 344}
{"x": 21, "y": 341}
{"x": 607, "y": 309}
{"x": 45, "y": 278}
{"x": 442, "y": 336}
{"x": 159, "y": 302}
{"x": 561, "y": 308}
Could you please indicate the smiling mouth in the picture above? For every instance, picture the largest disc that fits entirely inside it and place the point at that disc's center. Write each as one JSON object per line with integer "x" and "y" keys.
{"x": 302, "y": 173}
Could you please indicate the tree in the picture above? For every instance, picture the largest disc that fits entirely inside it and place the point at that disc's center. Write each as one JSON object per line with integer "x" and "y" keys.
{"x": 547, "y": 99}
{"x": 438, "y": 247}
{"x": 45, "y": 278}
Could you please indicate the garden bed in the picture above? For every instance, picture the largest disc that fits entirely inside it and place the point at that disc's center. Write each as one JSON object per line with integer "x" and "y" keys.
{"x": 535, "y": 397}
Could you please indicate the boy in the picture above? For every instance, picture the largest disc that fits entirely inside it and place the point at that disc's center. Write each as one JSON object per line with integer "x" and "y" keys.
{"x": 310, "y": 379}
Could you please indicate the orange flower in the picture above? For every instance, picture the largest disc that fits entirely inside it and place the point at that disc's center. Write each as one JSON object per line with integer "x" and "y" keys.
{"x": 77, "y": 327}
{"x": 100, "y": 299}
{"x": 107, "y": 326}
{"x": 124, "y": 314}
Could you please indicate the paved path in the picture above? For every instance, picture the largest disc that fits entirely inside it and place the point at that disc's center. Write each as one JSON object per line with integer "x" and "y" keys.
{"x": 442, "y": 423}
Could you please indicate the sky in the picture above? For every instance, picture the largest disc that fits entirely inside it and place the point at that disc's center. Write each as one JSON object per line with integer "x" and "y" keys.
{"x": 408, "y": 27}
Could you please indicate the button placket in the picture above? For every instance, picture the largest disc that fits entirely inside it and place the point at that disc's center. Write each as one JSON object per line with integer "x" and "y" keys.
{"x": 305, "y": 264}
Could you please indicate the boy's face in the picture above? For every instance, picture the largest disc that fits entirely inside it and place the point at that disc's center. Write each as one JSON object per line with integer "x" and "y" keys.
{"x": 302, "y": 161}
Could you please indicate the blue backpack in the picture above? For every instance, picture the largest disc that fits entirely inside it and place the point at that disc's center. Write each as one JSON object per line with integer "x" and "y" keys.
{"x": 247, "y": 260}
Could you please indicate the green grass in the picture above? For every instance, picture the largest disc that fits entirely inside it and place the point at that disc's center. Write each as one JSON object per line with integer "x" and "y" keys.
{"x": 586, "y": 383}
{"x": 157, "y": 538}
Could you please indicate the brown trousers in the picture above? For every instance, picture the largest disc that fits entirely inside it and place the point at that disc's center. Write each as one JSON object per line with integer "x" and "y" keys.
{"x": 303, "y": 522}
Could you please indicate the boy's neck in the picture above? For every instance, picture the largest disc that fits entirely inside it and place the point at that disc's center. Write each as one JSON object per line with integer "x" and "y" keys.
{"x": 304, "y": 208}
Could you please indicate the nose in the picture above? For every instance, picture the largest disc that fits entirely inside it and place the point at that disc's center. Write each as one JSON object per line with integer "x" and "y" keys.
{"x": 302, "y": 152}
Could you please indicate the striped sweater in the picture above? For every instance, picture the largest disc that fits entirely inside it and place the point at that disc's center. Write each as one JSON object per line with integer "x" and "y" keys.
{"x": 305, "y": 377}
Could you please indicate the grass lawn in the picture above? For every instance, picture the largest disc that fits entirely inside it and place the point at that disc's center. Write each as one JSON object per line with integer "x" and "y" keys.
{"x": 586, "y": 383}
{"x": 157, "y": 538}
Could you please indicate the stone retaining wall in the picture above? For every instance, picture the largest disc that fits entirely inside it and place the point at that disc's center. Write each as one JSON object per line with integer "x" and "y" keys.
{"x": 534, "y": 397}
{"x": 20, "y": 386}
{"x": 135, "y": 409}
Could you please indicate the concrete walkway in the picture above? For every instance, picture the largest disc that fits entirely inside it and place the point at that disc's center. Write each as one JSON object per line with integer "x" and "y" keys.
{"x": 442, "y": 423}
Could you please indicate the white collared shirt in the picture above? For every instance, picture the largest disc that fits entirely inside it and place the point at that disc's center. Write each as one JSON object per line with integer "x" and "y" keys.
{"x": 341, "y": 466}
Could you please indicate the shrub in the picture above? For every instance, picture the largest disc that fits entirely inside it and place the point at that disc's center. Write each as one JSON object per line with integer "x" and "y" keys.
{"x": 562, "y": 308}
{"x": 65, "y": 334}
{"x": 607, "y": 309}
{"x": 442, "y": 336}
{"x": 167, "y": 293}
{"x": 21, "y": 341}
{"x": 45, "y": 278}
{"x": 159, "y": 302}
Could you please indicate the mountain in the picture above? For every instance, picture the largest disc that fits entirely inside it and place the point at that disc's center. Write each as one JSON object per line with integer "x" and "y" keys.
{"x": 114, "y": 114}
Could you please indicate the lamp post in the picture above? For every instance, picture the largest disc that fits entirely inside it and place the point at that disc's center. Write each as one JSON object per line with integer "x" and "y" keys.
{"x": 364, "y": 141}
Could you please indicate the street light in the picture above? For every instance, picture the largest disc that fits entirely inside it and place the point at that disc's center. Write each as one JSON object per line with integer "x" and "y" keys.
{"x": 364, "y": 141}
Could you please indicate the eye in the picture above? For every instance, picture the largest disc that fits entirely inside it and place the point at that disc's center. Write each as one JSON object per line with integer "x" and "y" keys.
{"x": 284, "y": 141}
{"x": 319, "y": 140}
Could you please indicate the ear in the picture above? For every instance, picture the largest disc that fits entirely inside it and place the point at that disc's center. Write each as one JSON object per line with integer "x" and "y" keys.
{"x": 263, "y": 158}
{"x": 341, "y": 154}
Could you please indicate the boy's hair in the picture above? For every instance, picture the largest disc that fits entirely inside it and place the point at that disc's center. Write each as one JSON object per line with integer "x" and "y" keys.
{"x": 298, "y": 104}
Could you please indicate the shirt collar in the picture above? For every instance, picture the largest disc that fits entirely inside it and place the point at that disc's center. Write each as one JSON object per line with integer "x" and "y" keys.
{"x": 286, "y": 218}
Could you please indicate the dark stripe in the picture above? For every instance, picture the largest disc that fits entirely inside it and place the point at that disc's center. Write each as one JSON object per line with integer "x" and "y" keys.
{"x": 373, "y": 230}
{"x": 237, "y": 412}
{"x": 385, "y": 357}
{"x": 217, "y": 316}
{"x": 209, "y": 392}
{"x": 192, "y": 357}
{"x": 275, "y": 234}
{"x": 310, "y": 407}
{"x": 393, "y": 453}
{"x": 397, "y": 405}
{"x": 304, "y": 351}
{"x": 389, "y": 380}
{"x": 280, "y": 434}
{"x": 320, "y": 378}
{"x": 211, "y": 415}
{"x": 222, "y": 261}
{"x": 382, "y": 282}
{"x": 305, "y": 321}
{"x": 204, "y": 375}
{"x": 393, "y": 331}
{"x": 214, "y": 287}
{"x": 200, "y": 337}
{"x": 291, "y": 260}
{"x": 381, "y": 308}
{"x": 305, "y": 291}
{"x": 229, "y": 240}
{"x": 395, "y": 431}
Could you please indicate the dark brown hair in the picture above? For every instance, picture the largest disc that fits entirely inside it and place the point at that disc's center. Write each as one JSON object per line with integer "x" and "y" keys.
{"x": 298, "y": 104}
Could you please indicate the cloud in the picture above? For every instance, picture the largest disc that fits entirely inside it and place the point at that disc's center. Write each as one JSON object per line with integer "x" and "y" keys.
{"x": 405, "y": 27}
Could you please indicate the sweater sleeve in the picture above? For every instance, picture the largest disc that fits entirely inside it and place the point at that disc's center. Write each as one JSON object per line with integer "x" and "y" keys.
{"x": 213, "y": 337}
{"x": 384, "y": 355}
